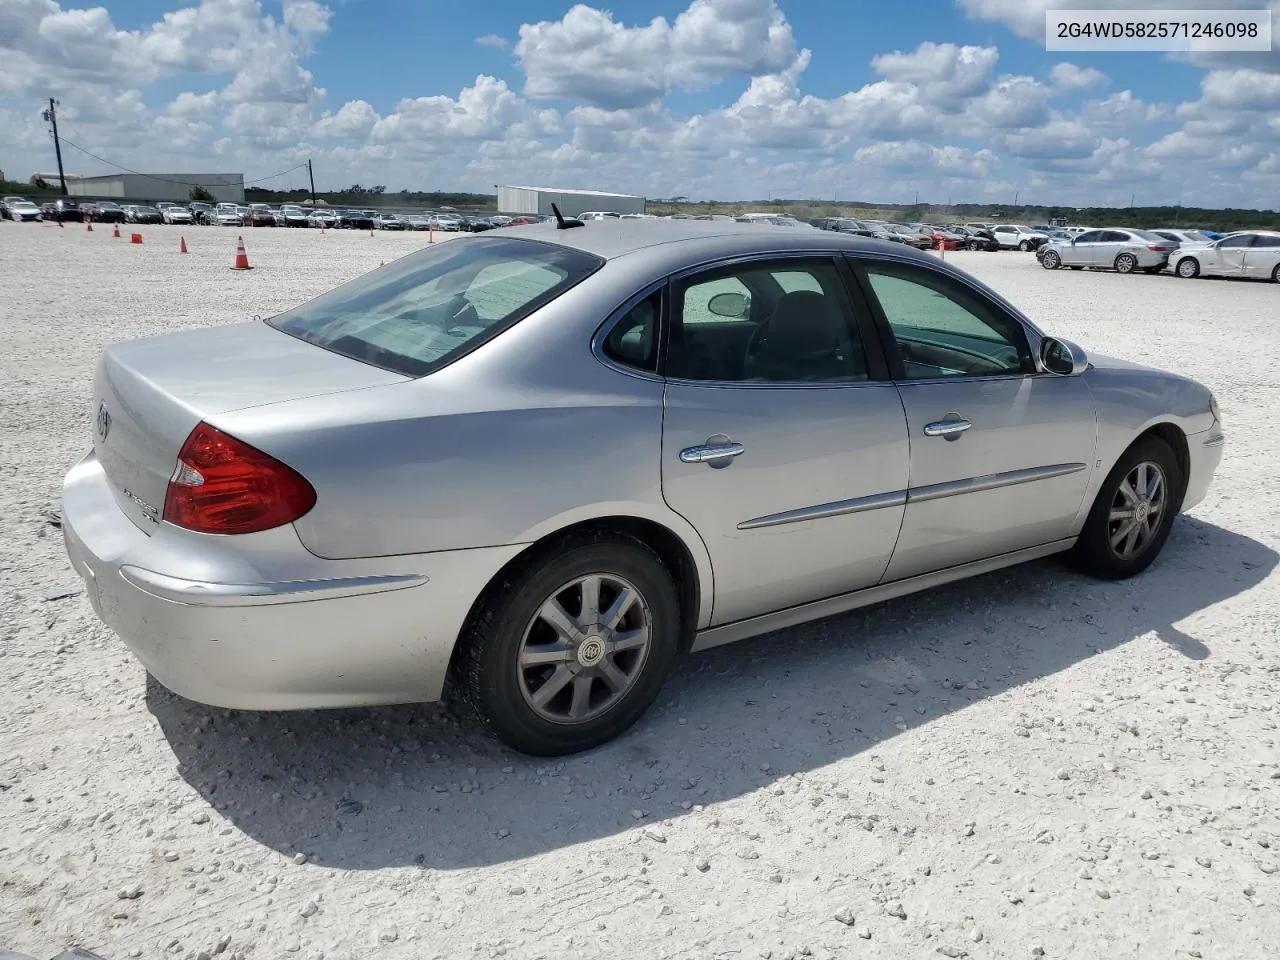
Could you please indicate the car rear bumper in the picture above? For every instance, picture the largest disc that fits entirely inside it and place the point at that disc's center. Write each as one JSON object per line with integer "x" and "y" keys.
{"x": 257, "y": 622}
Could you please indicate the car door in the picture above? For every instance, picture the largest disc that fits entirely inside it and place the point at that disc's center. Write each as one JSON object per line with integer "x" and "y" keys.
{"x": 784, "y": 442}
{"x": 1080, "y": 253}
{"x": 1000, "y": 453}
{"x": 1230, "y": 255}
{"x": 1006, "y": 236}
{"x": 1261, "y": 258}
{"x": 1111, "y": 244}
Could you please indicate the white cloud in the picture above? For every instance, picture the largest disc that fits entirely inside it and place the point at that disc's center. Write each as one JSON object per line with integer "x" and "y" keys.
{"x": 588, "y": 57}
{"x": 493, "y": 40}
{"x": 1068, "y": 78}
{"x": 943, "y": 71}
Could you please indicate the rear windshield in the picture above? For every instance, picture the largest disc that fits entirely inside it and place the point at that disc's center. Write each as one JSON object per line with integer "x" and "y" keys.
{"x": 427, "y": 309}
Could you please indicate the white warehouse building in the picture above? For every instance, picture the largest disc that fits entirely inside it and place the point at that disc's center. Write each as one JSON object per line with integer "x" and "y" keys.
{"x": 519, "y": 200}
{"x": 227, "y": 187}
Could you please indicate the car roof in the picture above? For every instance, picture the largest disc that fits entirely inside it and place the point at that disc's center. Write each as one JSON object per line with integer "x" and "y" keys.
{"x": 701, "y": 240}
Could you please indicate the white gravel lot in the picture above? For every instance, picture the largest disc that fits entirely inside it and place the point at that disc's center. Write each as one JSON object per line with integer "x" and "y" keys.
{"x": 1027, "y": 762}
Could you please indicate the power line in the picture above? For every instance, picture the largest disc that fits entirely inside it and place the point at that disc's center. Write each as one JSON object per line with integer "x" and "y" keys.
{"x": 185, "y": 183}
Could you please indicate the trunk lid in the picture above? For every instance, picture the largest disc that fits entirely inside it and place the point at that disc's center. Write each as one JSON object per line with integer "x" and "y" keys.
{"x": 149, "y": 394}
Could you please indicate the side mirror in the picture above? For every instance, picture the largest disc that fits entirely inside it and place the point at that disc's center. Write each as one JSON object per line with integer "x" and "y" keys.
{"x": 1062, "y": 357}
{"x": 733, "y": 305}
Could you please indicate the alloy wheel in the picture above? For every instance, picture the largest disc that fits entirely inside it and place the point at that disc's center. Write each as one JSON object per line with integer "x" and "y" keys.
{"x": 1137, "y": 510}
{"x": 584, "y": 648}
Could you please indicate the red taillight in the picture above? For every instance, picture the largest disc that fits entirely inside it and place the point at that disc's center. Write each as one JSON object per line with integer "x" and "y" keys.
{"x": 1159, "y": 249}
{"x": 223, "y": 485}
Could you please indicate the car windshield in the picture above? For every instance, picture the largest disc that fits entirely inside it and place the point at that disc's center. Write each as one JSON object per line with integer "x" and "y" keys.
{"x": 1149, "y": 236}
{"x": 145, "y": 210}
{"x": 428, "y": 308}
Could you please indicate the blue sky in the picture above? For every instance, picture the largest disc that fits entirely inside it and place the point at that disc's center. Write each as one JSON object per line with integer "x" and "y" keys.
{"x": 955, "y": 99}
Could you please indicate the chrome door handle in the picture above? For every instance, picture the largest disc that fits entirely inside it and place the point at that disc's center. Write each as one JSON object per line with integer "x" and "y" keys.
{"x": 710, "y": 451}
{"x": 946, "y": 428}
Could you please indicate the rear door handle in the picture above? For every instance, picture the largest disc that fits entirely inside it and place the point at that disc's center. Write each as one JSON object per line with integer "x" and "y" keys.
{"x": 946, "y": 428}
{"x": 707, "y": 452}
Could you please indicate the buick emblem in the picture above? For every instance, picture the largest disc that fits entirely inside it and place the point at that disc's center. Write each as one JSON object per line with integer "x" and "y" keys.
{"x": 104, "y": 421}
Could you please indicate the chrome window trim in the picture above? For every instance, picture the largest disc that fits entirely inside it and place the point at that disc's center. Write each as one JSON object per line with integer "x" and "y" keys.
{"x": 1034, "y": 334}
{"x": 612, "y": 320}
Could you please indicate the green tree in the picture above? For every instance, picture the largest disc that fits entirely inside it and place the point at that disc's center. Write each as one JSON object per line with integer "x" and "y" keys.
{"x": 199, "y": 194}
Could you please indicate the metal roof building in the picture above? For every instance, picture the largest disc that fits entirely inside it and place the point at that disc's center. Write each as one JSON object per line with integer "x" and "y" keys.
{"x": 516, "y": 200}
{"x": 158, "y": 186}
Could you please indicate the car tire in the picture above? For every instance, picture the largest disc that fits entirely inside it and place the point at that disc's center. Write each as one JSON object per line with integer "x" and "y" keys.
{"x": 1188, "y": 268}
{"x": 1275, "y": 274}
{"x": 1024, "y": 246}
{"x": 1051, "y": 260}
{"x": 1126, "y": 263}
{"x": 1109, "y": 547}
{"x": 501, "y": 679}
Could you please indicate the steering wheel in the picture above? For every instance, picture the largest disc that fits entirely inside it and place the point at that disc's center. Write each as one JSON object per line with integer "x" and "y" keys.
{"x": 754, "y": 342}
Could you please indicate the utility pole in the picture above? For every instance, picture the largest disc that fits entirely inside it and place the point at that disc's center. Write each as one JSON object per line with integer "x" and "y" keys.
{"x": 312, "y": 177}
{"x": 51, "y": 117}
{"x": 1015, "y": 198}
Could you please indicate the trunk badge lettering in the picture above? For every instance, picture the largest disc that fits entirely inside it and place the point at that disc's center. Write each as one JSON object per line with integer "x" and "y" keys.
{"x": 104, "y": 420}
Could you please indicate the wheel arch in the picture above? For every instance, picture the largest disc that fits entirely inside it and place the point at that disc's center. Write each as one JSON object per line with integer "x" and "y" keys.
{"x": 688, "y": 564}
{"x": 1176, "y": 438}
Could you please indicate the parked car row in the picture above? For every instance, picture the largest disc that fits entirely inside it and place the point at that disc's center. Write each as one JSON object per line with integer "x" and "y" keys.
{"x": 1187, "y": 253}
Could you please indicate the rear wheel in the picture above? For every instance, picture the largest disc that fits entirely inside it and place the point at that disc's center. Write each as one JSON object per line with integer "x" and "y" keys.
{"x": 1275, "y": 274}
{"x": 1051, "y": 260}
{"x": 570, "y": 650}
{"x": 1188, "y": 268}
{"x": 1133, "y": 512}
{"x": 1126, "y": 263}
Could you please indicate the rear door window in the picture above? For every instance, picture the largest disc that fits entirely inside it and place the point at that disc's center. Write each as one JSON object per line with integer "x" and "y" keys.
{"x": 431, "y": 307}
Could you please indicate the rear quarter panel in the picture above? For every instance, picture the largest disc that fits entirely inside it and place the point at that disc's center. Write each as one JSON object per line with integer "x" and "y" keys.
{"x": 519, "y": 439}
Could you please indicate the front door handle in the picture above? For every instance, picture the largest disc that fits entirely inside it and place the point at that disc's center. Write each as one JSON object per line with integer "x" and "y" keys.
{"x": 946, "y": 428}
{"x": 709, "y": 452}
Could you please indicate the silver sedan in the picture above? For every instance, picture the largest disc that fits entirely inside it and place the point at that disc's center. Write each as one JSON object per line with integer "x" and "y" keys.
{"x": 1116, "y": 249}
{"x": 540, "y": 465}
{"x": 1249, "y": 254}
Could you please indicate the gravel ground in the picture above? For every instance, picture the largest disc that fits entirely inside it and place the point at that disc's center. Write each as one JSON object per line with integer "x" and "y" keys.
{"x": 1029, "y": 763}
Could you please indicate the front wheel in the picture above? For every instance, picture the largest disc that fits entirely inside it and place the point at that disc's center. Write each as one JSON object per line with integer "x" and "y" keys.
{"x": 1133, "y": 513}
{"x": 1051, "y": 260}
{"x": 1126, "y": 263}
{"x": 1188, "y": 268}
{"x": 1024, "y": 246}
{"x": 570, "y": 650}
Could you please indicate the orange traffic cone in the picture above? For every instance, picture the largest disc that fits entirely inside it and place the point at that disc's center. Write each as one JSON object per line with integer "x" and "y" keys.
{"x": 116, "y": 232}
{"x": 135, "y": 238}
{"x": 182, "y": 244}
{"x": 242, "y": 258}
{"x": 88, "y": 225}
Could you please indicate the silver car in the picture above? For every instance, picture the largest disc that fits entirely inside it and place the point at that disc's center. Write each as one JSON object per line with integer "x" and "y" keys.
{"x": 539, "y": 465}
{"x": 1122, "y": 250}
{"x": 1254, "y": 253}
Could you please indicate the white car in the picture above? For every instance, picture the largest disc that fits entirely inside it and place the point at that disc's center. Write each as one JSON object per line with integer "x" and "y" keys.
{"x": 1014, "y": 236}
{"x": 228, "y": 215}
{"x": 18, "y": 209}
{"x": 445, "y": 221}
{"x": 1247, "y": 254}
{"x": 177, "y": 214}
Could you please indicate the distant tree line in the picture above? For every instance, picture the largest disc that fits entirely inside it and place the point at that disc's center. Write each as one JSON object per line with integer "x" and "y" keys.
{"x": 376, "y": 196}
